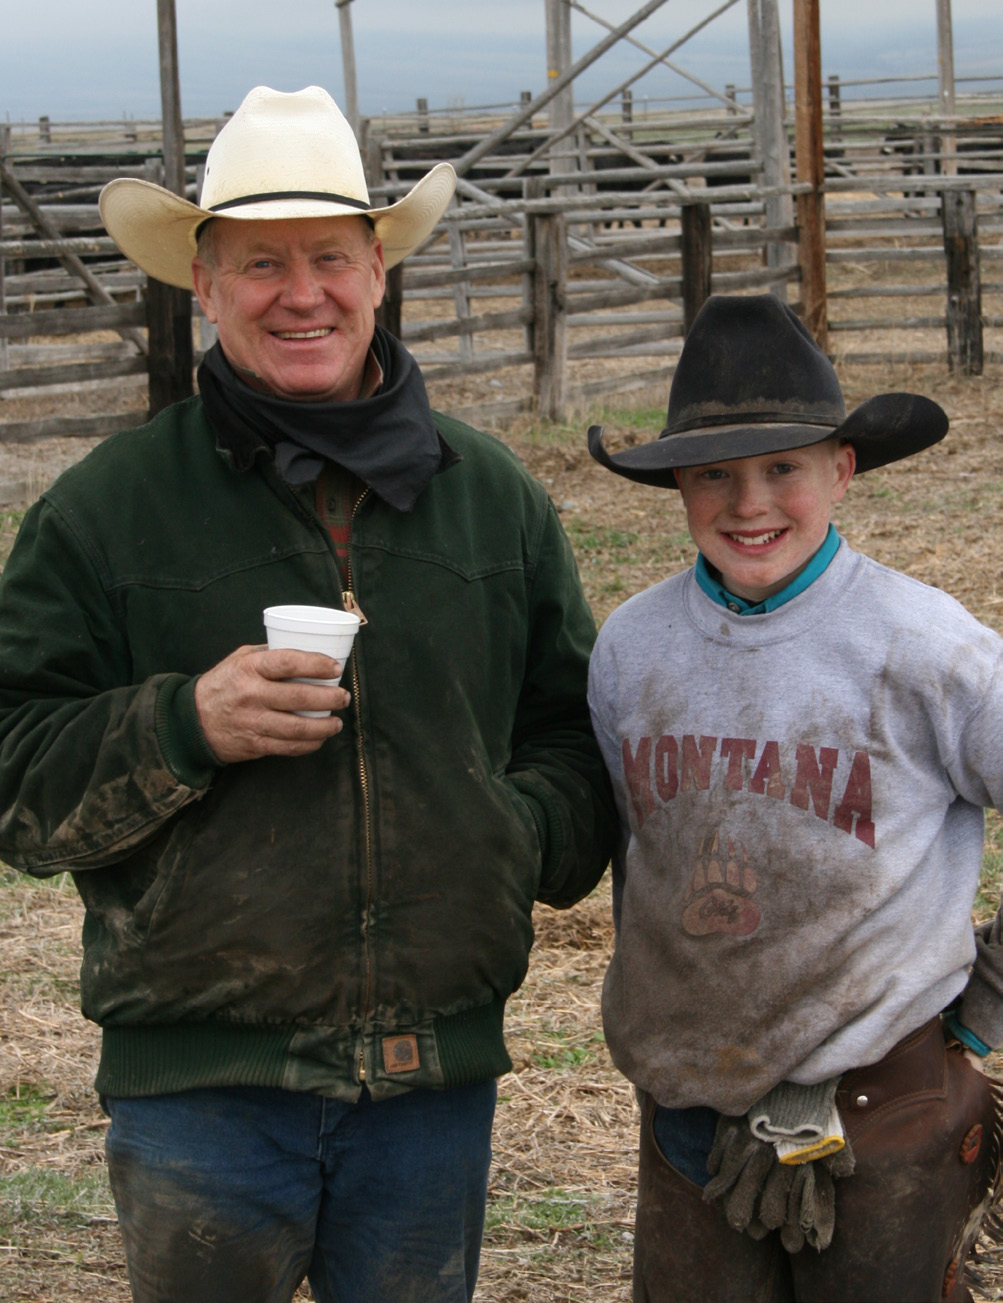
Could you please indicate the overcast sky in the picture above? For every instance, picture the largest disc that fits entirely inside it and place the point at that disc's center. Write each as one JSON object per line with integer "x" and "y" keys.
{"x": 78, "y": 61}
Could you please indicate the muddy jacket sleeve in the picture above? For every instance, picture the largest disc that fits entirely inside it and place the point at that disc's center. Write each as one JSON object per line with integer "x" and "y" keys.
{"x": 556, "y": 765}
{"x": 91, "y": 762}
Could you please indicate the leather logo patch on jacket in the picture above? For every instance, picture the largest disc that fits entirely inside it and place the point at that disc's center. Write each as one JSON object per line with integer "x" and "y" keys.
{"x": 400, "y": 1053}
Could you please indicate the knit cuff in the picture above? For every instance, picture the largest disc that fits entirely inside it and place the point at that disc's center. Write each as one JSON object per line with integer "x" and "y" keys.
{"x": 801, "y": 1121}
{"x": 180, "y": 735}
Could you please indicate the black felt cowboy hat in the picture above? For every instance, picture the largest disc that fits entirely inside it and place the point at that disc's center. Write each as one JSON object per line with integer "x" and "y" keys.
{"x": 752, "y": 380}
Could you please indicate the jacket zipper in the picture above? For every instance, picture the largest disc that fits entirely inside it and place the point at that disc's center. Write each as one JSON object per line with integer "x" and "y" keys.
{"x": 350, "y": 604}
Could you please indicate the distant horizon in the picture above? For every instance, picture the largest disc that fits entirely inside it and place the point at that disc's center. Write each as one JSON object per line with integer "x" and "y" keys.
{"x": 59, "y": 61}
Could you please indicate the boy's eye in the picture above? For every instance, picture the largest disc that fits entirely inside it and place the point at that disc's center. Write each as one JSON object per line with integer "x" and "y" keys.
{"x": 783, "y": 467}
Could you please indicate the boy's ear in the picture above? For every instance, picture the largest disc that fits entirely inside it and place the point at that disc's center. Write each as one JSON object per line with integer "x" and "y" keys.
{"x": 846, "y": 464}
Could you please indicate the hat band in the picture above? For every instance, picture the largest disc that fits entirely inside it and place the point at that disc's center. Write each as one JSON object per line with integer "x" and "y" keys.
{"x": 706, "y": 426}
{"x": 291, "y": 194}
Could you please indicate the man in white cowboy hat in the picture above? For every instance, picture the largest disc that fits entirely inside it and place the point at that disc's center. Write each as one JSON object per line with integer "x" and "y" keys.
{"x": 301, "y": 929}
{"x": 802, "y": 743}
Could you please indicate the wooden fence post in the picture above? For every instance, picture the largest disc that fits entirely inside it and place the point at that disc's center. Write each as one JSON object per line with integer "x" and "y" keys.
{"x": 169, "y": 326}
{"x": 964, "y": 287}
{"x": 835, "y": 108}
{"x": 169, "y": 320}
{"x": 697, "y": 251}
{"x": 388, "y": 314}
{"x": 548, "y": 244}
{"x": 461, "y": 289}
{"x": 4, "y": 151}
{"x": 168, "y": 307}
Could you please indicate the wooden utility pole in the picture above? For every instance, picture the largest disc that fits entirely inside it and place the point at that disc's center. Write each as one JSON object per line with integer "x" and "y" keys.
{"x": 810, "y": 161}
{"x": 945, "y": 84}
{"x": 770, "y": 134}
{"x": 170, "y": 98}
{"x": 4, "y": 151}
{"x": 561, "y": 111}
{"x": 168, "y": 308}
{"x": 348, "y": 64}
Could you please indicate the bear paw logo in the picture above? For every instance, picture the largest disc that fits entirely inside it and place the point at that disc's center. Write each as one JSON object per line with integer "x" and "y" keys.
{"x": 719, "y": 897}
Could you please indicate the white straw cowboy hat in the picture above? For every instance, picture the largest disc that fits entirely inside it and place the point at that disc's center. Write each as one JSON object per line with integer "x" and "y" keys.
{"x": 280, "y": 155}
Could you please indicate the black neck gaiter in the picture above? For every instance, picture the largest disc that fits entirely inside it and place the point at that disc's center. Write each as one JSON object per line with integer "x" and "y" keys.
{"x": 389, "y": 441}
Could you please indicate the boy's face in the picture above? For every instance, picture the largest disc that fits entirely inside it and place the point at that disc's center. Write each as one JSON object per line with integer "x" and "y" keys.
{"x": 759, "y": 520}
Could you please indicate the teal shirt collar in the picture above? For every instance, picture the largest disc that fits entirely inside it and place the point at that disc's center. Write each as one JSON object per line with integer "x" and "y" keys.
{"x": 718, "y": 593}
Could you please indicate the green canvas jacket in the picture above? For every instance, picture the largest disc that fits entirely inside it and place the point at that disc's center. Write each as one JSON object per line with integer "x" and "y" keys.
{"x": 359, "y": 914}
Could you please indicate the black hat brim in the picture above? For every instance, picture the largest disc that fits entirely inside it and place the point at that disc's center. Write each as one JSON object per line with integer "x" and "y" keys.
{"x": 882, "y": 430}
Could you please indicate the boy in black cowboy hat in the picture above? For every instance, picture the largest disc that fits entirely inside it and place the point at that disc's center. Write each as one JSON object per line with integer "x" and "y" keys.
{"x": 802, "y": 743}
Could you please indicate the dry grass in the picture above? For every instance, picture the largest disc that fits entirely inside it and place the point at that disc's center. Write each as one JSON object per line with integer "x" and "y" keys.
{"x": 565, "y": 1147}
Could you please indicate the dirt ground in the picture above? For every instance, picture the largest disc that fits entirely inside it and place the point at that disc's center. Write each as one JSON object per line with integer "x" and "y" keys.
{"x": 562, "y": 1186}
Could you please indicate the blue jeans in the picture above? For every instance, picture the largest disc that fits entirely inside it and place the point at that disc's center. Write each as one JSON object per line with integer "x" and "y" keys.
{"x": 234, "y": 1195}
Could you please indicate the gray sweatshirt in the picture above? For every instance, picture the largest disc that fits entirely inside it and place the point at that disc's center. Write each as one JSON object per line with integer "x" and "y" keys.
{"x": 801, "y": 795}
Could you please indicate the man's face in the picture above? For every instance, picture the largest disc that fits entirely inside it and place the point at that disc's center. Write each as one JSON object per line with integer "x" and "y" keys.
{"x": 294, "y": 302}
{"x": 759, "y": 520}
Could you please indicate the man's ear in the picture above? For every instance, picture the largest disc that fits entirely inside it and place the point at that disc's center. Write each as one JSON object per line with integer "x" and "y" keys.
{"x": 202, "y": 276}
{"x": 379, "y": 273}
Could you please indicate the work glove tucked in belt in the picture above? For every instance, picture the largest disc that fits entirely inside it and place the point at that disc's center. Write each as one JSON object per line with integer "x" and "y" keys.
{"x": 773, "y": 1169}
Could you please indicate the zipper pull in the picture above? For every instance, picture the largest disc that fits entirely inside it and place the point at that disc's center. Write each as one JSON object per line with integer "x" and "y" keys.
{"x": 350, "y": 604}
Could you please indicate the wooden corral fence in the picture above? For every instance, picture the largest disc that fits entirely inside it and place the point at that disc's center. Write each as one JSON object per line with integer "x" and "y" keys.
{"x": 546, "y": 286}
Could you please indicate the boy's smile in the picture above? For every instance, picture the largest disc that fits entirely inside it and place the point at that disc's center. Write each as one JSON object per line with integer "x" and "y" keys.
{"x": 759, "y": 520}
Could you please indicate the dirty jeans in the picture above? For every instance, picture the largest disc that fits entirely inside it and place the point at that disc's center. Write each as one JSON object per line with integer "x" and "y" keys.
{"x": 233, "y": 1195}
{"x": 921, "y": 1123}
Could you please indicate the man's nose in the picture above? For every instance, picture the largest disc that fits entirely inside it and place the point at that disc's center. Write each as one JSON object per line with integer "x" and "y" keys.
{"x": 301, "y": 290}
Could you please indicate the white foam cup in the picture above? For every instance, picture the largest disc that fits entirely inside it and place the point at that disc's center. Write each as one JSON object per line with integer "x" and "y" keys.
{"x": 315, "y": 629}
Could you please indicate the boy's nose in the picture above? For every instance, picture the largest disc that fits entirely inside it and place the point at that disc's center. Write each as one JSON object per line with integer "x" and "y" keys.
{"x": 748, "y": 498}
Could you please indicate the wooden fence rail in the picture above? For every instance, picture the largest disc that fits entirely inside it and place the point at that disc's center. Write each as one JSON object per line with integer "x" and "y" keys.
{"x": 564, "y": 285}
